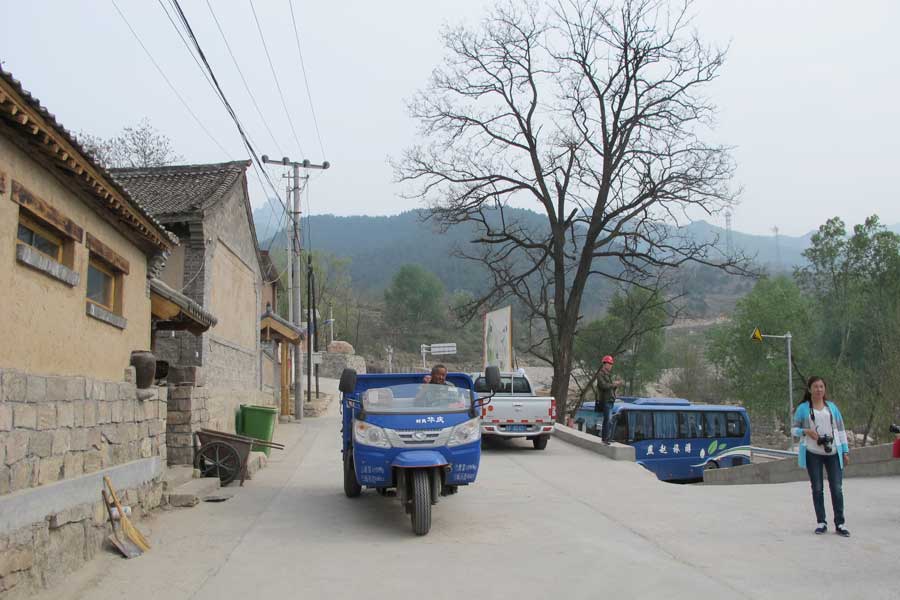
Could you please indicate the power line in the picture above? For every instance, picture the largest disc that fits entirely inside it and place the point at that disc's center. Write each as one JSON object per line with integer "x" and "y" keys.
{"x": 241, "y": 73}
{"x": 228, "y": 107}
{"x": 275, "y": 76}
{"x": 172, "y": 87}
{"x": 209, "y": 80}
{"x": 185, "y": 42}
{"x": 312, "y": 108}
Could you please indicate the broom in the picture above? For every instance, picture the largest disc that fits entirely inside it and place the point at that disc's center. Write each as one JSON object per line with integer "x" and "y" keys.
{"x": 130, "y": 531}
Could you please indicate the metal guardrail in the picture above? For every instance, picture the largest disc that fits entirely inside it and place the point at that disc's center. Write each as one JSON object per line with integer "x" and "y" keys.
{"x": 773, "y": 452}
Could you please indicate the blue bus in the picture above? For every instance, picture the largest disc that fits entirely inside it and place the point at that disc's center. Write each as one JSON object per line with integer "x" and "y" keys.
{"x": 675, "y": 439}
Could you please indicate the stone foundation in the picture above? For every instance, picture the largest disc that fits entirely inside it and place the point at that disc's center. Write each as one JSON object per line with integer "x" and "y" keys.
{"x": 42, "y": 554}
{"x": 58, "y": 436}
{"x": 54, "y": 428}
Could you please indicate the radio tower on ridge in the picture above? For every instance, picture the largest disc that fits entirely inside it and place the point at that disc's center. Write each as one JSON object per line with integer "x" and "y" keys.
{"x": 729, "y": 241}
{"x": 777, "y": 249}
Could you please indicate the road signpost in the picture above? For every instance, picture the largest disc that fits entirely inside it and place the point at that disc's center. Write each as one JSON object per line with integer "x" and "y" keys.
{"x": 758, "y": 336}
{"x": 436, "y": 350}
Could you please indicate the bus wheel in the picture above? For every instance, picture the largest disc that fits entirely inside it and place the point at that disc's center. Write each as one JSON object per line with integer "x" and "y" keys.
{"x": 540, "y": 442}
{"x": 711, "y": 465}
{"x": 351, "y": 486}
{"x": 421, "y": 502}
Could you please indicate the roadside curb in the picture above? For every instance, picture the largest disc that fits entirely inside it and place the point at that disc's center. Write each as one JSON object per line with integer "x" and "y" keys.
{"x": 614, "y": 451}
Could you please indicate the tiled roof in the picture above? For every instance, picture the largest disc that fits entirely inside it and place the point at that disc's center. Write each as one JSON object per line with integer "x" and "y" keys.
{"x": 71, "y": 140}
{"x": 180, "y": 189}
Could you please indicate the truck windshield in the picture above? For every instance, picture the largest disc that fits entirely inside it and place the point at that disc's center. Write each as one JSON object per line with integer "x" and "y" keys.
{"x": 416, "y": 398}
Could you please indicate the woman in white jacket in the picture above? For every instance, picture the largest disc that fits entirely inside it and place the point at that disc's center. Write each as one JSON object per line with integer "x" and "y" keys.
{"x": 823, "y": 445}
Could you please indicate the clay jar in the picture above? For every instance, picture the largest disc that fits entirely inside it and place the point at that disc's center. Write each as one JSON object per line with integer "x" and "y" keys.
{"x": 144, "y": 364}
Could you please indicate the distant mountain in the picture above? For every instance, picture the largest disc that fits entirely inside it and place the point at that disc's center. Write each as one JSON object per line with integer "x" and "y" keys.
{"x": 378, "y": 246}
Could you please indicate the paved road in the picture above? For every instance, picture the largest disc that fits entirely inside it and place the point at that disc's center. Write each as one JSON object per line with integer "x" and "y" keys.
{"x": 561, "y": 522}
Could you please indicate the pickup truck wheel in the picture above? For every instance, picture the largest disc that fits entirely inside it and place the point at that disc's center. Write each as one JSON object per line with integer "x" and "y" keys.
{"x": 421, "y": 502}
{"x": 540, "y": 442}
{"x": 351, "y": 486}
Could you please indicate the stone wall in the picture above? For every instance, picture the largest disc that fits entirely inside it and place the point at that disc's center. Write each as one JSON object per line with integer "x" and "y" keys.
{"x": 54, "y": 428}
{"x": 41, "y": 554}
{"x": 58, "y": 437}
{"x": 334, "y": 363}
{"x": 187, "y": 413}
{"x": 193, "y": 406}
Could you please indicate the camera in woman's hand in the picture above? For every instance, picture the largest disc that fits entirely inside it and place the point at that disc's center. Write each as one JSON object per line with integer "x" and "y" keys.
{"x": 826, "y": 442}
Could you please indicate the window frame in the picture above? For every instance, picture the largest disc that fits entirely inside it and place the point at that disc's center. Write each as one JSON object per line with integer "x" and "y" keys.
{"x": 99, "y": 264}
{"x": 737, "y": 418}
{"x": 34, "y": 225}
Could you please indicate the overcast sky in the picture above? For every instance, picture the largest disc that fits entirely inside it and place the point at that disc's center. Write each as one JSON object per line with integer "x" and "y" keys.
{"x": 808, "y": 94}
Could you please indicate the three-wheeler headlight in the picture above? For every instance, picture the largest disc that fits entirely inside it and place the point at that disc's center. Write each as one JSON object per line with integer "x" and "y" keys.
{"x": 465, "y": 433}
{"x": 370, "y": 435}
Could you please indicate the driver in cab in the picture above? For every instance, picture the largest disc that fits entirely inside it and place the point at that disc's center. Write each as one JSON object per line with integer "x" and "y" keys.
{"x": 431, "y": 394}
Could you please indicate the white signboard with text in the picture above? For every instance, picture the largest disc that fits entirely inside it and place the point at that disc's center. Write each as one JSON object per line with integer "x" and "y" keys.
{"x": 498, "y": 347}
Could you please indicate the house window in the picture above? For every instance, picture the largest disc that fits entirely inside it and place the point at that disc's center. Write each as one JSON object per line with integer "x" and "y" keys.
{"x": 101, "y": 285}
{"x": 41, "y": 238}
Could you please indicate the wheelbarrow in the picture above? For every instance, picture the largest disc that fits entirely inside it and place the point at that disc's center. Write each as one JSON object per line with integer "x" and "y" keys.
{"x": 224, "y": 455}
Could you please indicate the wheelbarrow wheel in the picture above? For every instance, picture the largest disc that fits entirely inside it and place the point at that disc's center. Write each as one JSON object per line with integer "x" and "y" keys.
{"x": 351, "y": 486}
{"x": 218, "y": 459}
{"x": 421, "y": 502}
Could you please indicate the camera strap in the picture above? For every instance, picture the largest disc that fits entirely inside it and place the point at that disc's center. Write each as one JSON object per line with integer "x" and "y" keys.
{"x": 812, "y": 416}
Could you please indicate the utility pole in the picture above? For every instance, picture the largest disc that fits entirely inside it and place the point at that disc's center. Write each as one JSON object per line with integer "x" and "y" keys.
{"x": 295, "y": 268}
{"x": 289, "y": 240}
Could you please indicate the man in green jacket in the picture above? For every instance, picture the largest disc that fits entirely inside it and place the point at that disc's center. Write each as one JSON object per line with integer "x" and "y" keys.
{"x": 607, "y": 396}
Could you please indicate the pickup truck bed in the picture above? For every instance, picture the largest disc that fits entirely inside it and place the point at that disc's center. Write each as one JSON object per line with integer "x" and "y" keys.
{"x": 520, "y": 416}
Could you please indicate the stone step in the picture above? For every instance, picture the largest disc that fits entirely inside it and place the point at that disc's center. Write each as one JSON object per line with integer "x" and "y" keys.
{"x": 191, "y": 493}
{"x": 177, "y": 475}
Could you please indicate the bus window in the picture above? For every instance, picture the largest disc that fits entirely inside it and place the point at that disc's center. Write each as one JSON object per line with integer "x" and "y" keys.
{"x": 640, "y": 425}
{"x": 735, "y": 425}
{"x": 690, "y": 424}
{"x": 620, "y": 429}
{"x": 715, "y": 424}
{"x": 665, "y": 425}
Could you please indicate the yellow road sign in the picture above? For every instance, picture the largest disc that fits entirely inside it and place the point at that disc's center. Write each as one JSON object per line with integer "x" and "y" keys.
{"x": 756, "y": 336}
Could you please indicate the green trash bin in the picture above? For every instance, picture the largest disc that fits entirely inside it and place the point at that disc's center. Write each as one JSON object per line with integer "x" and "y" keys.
{"x": 258, "y": 422}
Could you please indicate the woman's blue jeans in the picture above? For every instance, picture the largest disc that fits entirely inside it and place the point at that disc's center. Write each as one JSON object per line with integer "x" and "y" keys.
{"x": 832, "y": 466}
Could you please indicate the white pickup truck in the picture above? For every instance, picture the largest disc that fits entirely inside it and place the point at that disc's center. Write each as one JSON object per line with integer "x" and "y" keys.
{"x": 515, "y": 411}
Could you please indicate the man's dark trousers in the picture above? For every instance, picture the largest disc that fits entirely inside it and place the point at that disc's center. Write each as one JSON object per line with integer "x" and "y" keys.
{"x": 605, "y": 408}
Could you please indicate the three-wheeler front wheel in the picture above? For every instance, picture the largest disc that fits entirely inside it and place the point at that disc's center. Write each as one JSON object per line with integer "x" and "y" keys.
{"x": 351, "y": 485}
{"x": 421, "y": 502}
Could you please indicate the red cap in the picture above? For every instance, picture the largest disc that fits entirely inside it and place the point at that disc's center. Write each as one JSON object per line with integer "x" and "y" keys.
{"x": 607, "y": 359}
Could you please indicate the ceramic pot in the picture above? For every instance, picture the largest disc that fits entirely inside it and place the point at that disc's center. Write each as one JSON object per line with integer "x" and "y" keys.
{"x": 144, "y": 364}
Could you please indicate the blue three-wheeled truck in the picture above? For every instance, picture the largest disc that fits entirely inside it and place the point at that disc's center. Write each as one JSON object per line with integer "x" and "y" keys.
{"x": 422, "y": 439}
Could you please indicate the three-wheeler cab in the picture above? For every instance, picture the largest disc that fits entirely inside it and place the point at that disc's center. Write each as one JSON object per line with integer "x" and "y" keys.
{"x": 421, "y": 439}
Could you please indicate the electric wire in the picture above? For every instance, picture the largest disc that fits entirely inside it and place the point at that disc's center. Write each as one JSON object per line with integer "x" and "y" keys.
{"x": 169, "y": 83}
{"x": 209, "y": 80}
{"x": 244, "y": 79}
{"x": 287, "y": 113}
{"x": 185, "y": 42}
{"x": 253, "y": 154}
{"x": 312, "y": 108}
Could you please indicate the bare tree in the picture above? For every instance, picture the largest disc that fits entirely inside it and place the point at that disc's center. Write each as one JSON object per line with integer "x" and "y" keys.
{"x": 139, "y": 146}
{"x": 592, "y": 114}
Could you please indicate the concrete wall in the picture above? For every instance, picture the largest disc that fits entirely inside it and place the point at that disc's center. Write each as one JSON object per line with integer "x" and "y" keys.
{"x": 46, "y": 317}
{"x": 872, "y": 461}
